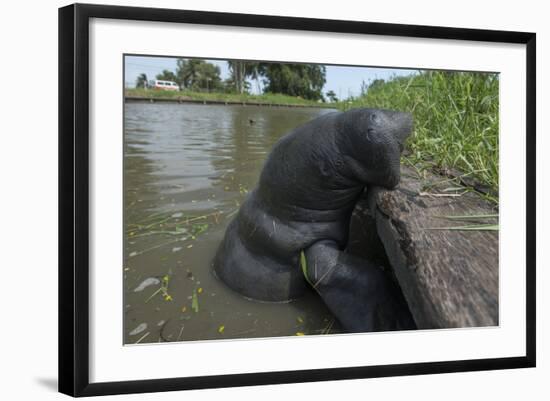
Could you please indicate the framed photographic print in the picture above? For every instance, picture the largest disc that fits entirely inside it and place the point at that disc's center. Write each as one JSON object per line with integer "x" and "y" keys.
{"x": 251, "y": 199}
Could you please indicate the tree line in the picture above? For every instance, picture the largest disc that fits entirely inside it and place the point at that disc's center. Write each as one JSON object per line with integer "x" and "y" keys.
{"x": 299, "y": 80}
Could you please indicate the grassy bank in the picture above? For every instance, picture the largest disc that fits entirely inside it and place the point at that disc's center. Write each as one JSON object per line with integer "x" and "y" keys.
{"x": 267, "y": 98}
{"x": 455, "y": 117}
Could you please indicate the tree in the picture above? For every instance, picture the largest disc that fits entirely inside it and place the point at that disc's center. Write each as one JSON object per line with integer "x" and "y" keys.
{"x": 240, "y": 71}
{"x": 166, "y": 75}
{"x": 141, "y": 81}
{"x": 238, "y": 74}
{"x": 332, "y": 96}
{"x": 304, "y": 80}
{"x": 197, "y": 74}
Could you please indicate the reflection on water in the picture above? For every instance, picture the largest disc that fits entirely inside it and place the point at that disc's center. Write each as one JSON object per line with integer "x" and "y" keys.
{"x": 187, "y": 168}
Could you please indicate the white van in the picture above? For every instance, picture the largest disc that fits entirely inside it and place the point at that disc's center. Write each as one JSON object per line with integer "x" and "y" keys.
{"x": 166, "y": 85}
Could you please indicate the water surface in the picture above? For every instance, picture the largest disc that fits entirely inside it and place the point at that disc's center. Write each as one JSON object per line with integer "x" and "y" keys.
{"x": 187, "y": 169}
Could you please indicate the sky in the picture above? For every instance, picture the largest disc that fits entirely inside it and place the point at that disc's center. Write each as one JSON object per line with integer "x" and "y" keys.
{"x": 343, "y": 80}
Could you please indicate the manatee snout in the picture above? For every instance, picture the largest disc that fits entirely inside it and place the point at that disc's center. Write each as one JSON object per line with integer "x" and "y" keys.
{"x": 400, "y": 125}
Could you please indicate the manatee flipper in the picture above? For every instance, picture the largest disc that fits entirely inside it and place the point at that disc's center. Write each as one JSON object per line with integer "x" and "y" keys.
{"x": 253, "y": 274}
{"x": 358, "y": 293}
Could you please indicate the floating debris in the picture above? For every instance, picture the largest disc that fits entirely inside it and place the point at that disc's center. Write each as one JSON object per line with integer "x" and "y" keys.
{"x": 143, "y": 337}
{"x": 177, "y": 215}
{"x": 164, "y": 288}
{"x": 233, "y": 212}
{"x": 221, "y": 329}
{"x": 139, "y": 329}
{"x": 176, "y": 248}
{"x": 195, "y": 302}
{"x": 198, "y": 229}
{"x": 146, "y": 283}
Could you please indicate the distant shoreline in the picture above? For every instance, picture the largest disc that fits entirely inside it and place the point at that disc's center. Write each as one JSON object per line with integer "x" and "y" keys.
{"x": 157, "y": 99}
{"x": 266, "y": 100}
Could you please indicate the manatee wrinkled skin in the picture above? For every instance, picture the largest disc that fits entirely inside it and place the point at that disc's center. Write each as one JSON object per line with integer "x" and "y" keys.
{"x": 361, "y": 295}
{"x": 306, "y": 193}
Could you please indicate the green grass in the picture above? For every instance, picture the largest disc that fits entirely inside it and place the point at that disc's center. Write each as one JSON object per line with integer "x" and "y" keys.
{"x": 455, "y": 116}
{"x": 267, "y": 98}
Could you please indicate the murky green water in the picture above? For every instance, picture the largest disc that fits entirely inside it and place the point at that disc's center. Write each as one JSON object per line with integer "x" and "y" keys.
{"x": 187, "y": 168}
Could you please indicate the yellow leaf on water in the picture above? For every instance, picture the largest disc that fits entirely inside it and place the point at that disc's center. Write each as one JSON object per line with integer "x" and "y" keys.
{"x": 221, "y": 329}
{"x": 184, "y": 309}
{"x": 299, "y": 333}
{"x": 299, "y": 319}
{"x": 199, "y": 290}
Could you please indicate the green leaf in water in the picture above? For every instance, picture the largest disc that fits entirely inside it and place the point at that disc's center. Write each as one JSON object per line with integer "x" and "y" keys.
{"x": 195, "y": 302}
{"x": 198, "y": 229}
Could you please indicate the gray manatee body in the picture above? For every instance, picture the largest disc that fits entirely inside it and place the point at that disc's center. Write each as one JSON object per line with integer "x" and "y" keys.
{"x": 306, "y": 193}
{"x": 360, "y": 294}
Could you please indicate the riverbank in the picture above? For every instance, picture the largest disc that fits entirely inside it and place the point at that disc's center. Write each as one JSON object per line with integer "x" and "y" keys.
{"x": 268, "y": 99}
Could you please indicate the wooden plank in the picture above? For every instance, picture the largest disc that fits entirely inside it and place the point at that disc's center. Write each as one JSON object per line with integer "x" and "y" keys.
{"x": 449, "y": 278}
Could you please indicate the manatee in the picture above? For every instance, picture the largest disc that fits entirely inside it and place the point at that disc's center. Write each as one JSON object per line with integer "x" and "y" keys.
{"x": 360, "y": 294}
{"x": 306, "y": 193}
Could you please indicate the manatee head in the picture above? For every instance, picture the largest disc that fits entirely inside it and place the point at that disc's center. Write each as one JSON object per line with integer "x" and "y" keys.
{"x": 371, "y": 141}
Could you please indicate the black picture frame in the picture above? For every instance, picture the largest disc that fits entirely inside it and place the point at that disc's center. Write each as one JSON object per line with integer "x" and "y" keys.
{"x": 74, "y": 198}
